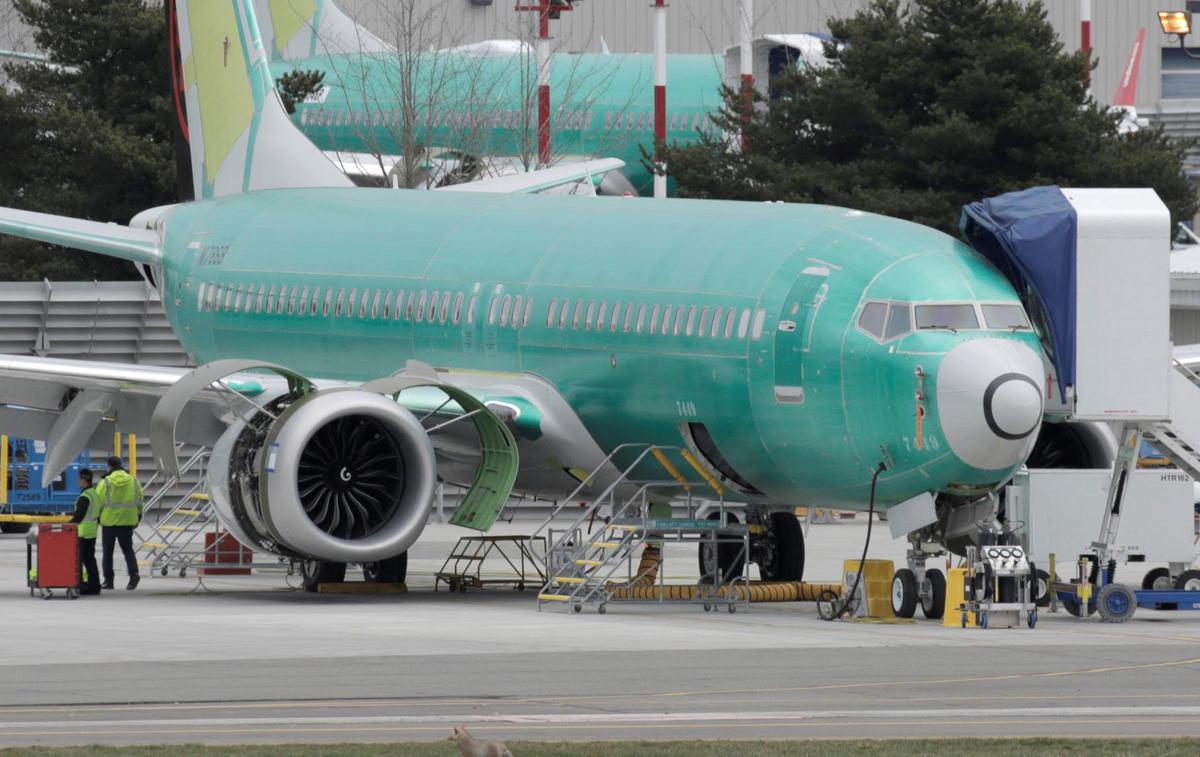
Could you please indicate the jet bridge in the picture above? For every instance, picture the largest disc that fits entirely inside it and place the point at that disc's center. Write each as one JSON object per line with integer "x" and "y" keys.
{"x": 1093, "y": 268}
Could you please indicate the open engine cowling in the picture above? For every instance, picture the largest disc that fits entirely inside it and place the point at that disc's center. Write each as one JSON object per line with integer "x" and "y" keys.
{"x": 340, "y": 475}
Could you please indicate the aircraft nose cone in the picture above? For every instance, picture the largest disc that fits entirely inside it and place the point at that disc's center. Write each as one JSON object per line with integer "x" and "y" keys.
{"x": 1012, "y": 406}
{"x": 989, "y": 402}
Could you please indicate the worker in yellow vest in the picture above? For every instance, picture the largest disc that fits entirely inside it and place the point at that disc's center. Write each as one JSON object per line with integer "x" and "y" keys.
{"x": 121, "y": 501}
{"x": 87, "y": 516}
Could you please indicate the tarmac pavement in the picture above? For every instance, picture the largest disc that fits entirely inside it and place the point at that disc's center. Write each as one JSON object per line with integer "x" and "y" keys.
{"x": 248, "y": 659}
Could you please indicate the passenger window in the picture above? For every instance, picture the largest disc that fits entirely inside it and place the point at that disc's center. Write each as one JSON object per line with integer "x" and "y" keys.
{"x": 445, "y": 309}
{"x": 258, "y": 299}
{"x": 550, "y": 313}
{"x": 591, "y": 311}
{"x": 362, "y": 304}
{"x": 899, "y": 321}
{"x": 212, "y": 293}
{"x": 200, "y": 296}
{"x": 729, "y": 319}
{"x": 691, "y": 321}
{"x": 387, "y": 305}
{"x": 528, "y": 312}
{"x": 375, "y": 305}
{"x": 601, "y": 315}
{"x": 678, "y": 320}
{"x": 578, "y": 312}
{"x": 518, "y": 302}
{"x": 505, "y": 309}
{"x": 303, "y": 302}
{"x": 408, "y": 311}
{"x": 283, "y": 290}
{"x": 871, "y": 320}
{"x": 666, "y": 321}
{"x": 471, "y": 308}
{"x": 431, "y": 316}
{"x": 562, "y": 315}
{"x": 629, "y": 317}
{"x": 421, "y": 306}
{"x": 704, "y": 321}
{"x": 316, "y": 299}
{"x": 642, "y": 317}
{"x": 716, "y": 322}
{"x": 458, "y": 299}
{"x": 759, "y": 319}
{"x": 396, "y": 311}
{"x": 744, "y": 323}
{"x": 328, "y": 302}
{"x": 492, "y": 309}
{"x": 237, "y": 299}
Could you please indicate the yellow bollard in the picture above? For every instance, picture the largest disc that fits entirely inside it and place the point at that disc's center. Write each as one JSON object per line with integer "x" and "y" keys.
{"x": 116, "y": 443}
{"x": 954, "y": 599}
{"x": 133, "y": 455}
{"x": 3, "y": 470}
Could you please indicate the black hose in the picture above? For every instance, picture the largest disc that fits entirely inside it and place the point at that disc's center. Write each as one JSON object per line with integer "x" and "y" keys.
{"x": 862, "y": 561}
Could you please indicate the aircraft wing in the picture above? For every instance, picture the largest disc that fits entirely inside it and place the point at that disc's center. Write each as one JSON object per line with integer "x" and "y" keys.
{"x": 539, "y": 181}
{"x": 138, "y": 245}
{"x": 78, "y": 404}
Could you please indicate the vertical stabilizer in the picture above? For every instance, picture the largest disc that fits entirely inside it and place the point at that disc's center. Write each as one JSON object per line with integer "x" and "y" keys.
{"x": 296, "y": 29}
{"x": 1127, "y": 89}
{"x": 238, "y": 135}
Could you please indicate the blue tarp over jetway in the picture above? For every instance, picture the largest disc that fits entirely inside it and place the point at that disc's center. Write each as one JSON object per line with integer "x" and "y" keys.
{"x": 1030, "y": 237}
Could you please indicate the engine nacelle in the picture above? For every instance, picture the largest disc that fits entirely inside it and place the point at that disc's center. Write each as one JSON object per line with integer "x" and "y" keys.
{"x": 339, "y": 475}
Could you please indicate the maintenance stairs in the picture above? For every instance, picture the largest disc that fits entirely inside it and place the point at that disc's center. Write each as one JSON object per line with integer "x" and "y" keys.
{"x": 174, "y": 540}
{"x": 584, "y": 562}
{"x": 1179, "y": 438}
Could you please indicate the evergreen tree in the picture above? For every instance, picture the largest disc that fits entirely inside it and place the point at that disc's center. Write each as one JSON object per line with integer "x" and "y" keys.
{"x": 295, "y": 86}
{"x": 927, "y": 106}
{"x": 88, "y": 135}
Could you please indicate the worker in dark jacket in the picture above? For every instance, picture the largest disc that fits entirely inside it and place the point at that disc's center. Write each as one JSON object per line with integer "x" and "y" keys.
{"x": 87, "y": 515}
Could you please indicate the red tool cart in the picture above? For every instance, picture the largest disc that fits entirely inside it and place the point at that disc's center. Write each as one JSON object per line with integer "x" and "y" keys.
{"x": 57, "y": 560}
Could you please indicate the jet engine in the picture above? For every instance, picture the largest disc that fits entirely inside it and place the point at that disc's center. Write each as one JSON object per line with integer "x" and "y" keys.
{"x": 338, "y": 475}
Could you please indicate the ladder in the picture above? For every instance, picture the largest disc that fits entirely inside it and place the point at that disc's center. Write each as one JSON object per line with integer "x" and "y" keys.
{"x": 581, "y": 563}
{"x": 171, "y": 540}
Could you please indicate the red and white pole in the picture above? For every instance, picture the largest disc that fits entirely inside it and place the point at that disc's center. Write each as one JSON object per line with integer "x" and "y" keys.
{"x": 660, "y": 93}
{"x": 1085, "y": 35}
{"x": 543, "y": 85}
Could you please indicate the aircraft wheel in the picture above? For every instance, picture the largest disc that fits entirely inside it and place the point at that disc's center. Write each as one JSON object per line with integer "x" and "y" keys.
{"x": 934, "y": 606}
{"x": 904, "y": 593}
{"x": 788, "y": 564}
{"x": 390, "y": 571}
{"x": 1158, "y": 579}
{"x": 1189, "y": 580}
{"x": 730, "y": 560}
{"x": 315, "y": 572}
{"x": 1041, "y": 586}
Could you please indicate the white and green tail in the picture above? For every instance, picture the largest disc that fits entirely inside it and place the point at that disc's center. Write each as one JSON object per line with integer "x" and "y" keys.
{"x": 296, "y": 29}
{"x": 233, "y": 128}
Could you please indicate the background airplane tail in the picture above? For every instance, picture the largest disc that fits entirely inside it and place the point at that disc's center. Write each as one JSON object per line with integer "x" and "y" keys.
{"x": 233, "y": 134}
{"x": 1127, "y": 88}
{"x": 296, "y": 29}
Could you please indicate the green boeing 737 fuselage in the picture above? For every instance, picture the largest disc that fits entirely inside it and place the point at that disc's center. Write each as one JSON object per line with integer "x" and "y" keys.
{"x": 603, "y": 104}
{"x": 649, "y": 318}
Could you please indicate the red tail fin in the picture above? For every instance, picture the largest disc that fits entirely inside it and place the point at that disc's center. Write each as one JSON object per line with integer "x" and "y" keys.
{"x": 1127, "y": 90}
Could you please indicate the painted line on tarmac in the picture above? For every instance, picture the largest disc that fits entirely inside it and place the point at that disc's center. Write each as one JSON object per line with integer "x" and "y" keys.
{"x": 562, "y": 718}
{"x": 1087, "y": 728}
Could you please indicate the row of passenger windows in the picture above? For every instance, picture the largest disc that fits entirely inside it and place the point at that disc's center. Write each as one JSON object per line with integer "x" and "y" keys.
{"x": 452, "y": 307}
{"x": 892, "y": 320}
{"x": 673, "y": 320}
{"x": 374, "y": 304}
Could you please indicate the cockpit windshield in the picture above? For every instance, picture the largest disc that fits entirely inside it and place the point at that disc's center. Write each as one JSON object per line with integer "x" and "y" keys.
{"x": 1005, "y": 317}
{"x": 952, "y": 317}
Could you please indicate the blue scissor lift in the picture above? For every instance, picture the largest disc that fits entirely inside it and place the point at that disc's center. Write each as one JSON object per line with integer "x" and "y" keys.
{"x": 1093, "y": 268}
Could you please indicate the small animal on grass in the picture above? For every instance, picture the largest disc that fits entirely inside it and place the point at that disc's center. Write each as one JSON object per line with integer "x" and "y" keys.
{"x": 473, "y": 747}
